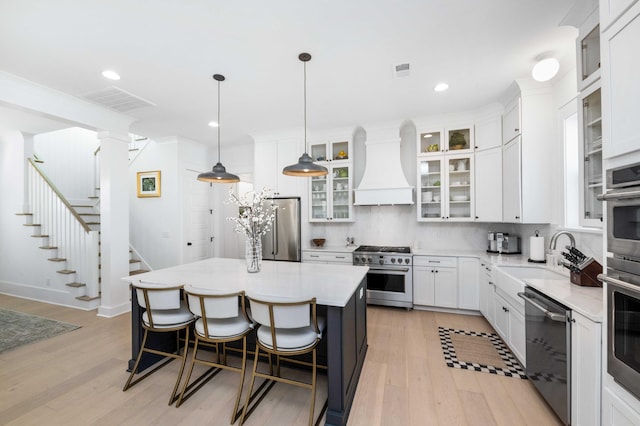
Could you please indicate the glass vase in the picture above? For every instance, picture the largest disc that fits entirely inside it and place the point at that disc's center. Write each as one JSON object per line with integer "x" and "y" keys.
{"x": 253, "y": 254}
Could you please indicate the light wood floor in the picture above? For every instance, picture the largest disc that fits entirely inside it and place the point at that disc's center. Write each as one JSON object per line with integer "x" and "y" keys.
{"x": 76, "y": 379}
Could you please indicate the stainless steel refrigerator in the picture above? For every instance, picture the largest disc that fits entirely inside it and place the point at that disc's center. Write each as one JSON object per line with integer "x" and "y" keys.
{"x": 283, "y": 241}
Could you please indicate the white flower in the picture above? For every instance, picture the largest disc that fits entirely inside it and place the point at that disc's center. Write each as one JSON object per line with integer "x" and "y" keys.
{"x": 255, "y": 214}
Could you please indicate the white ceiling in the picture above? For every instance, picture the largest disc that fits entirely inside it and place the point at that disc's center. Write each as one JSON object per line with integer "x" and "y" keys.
{"x": 167, "y": 50}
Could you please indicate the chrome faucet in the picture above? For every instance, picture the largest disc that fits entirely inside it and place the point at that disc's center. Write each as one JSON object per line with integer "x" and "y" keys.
{"x": 554, "y": 239}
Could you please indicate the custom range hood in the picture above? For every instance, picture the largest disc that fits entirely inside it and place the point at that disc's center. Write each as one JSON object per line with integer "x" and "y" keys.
{"x": 383, "y": 181}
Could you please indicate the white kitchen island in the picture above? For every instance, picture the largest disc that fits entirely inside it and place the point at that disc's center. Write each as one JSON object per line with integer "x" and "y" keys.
{"x": 340, "y": 289}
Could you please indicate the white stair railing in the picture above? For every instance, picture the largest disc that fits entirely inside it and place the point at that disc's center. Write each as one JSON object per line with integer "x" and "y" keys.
{"x": 76, "y": 241}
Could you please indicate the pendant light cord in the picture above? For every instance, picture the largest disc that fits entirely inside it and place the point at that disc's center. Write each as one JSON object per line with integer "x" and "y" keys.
{"x": 305, "y": 107}
{"x": 218, "y": 121}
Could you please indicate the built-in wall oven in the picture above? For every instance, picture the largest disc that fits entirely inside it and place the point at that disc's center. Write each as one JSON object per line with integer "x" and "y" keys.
{"x": 390, "y": 276}
{"x": 623, "y": 276}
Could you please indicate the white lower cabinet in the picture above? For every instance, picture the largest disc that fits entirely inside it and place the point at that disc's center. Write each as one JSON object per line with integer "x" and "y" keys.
{"x": 468, "y": 283}
{"x": 586, "y": 340}
{"x": 616, "y": 412}
{"x": 316, "y": 256}
{"x": 509, "y": 320}
{"x": 487, "y": 290}
{"x": 435, "y": 281}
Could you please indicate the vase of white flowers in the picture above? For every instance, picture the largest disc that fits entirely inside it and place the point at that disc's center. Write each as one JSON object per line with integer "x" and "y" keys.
{"x": 255, "y": 216}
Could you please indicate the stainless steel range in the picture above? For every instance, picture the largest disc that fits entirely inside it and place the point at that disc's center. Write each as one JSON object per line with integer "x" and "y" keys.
{"x": 390, "y": 276}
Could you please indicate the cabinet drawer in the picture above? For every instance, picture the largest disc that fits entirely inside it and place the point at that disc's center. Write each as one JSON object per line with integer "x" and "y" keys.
{"x": 332, "y": 257}
{"x": 441, "y": 261}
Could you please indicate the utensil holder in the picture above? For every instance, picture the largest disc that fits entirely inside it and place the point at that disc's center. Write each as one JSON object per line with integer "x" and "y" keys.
{"x": 587, "y": 277}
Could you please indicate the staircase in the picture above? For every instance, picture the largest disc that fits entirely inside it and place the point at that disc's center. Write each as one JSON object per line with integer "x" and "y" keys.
{"x": 71, "y": 236}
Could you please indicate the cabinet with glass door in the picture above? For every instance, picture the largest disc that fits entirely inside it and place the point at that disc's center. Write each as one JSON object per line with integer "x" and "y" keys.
{"x": 446, "y": 187}
{"x": 459, "y": 139}
{"x": 331, "y": 195}
{"x": 590, "y": 118}
{"x": 330, "y": 151}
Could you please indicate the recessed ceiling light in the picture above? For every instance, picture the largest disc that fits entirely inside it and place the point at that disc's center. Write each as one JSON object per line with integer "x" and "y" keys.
{"x": 111, "y": 75}
{"x": 545, "y": 69}
{"x": 213, "y": 124}
{"x": 441, "y": 87}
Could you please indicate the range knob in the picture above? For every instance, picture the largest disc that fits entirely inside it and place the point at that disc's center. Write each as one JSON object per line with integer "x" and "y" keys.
{"x": 369, "y": 259}
{"x": 382, "y": 261}
{"x": 393, "y": 260}
{"x": 407, "y": 261}
{"x": 356, "y": 259}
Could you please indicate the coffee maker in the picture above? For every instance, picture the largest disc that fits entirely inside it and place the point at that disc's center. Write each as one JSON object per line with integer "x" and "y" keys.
{"x": 502, "y": 242}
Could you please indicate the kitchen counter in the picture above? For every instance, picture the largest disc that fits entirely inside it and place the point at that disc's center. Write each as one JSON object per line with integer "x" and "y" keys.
{"x": 340, "y": 290}
{"x": 334, "y": 249}
{"x": 585, "y": 300}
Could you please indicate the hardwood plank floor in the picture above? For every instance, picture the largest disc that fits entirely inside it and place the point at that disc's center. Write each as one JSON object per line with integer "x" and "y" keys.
{"x": 76, "y": 379}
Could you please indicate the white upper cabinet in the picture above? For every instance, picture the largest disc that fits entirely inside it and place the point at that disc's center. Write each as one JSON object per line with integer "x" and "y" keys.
{"x": 488, "y": 185}
{"x": 610, "y": 10}
{"x": 620, "y": 82}
{"x": 270, "y": 157}
{"x": 330, "y": 151}
{"x": 488, "y": 132}
{"x": 526, "y": 172}
{"x": 588, "y": 51}
{"x": 511, "y": 123}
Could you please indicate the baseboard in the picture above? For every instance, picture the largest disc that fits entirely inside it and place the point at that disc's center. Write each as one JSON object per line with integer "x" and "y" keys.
{"x": 45, "y": 295}
{"x": 114, "y": 311}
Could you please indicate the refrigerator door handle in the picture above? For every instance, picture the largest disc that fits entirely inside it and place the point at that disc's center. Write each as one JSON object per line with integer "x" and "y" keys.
{"x": 275, "y": 234}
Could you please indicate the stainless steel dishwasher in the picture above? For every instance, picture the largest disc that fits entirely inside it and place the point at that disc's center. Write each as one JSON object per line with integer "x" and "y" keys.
{"x": 548, "y": 334}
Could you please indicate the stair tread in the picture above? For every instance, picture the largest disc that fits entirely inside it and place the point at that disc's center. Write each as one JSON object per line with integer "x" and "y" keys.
{"x": 57, "y": 259}
{"x": 92, "y": 223}
{"x": 39, "y": 236}
{"x": 93, "y": 197}
{"x": 82, "y": 205}
{"x": 48, "y": 247}
{"x": 66, "y": 271}
{"x": 134, "y": 261}
{"x": 76, "y": 284}
{"x": 24, "y": 214}
{"x": 89, "y": 214}
{"x": 138, "y": 271}
{"x": 87, "y": 298}
{"x": 31, "y": 224}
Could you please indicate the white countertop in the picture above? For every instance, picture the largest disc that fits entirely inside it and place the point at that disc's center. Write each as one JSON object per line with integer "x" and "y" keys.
{"x": 331, "y": 285}
{"x": 336, "y": 249}
{"x": 585, "y": 300}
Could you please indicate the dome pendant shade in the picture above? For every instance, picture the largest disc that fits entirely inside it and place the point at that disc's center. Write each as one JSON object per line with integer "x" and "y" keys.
{"x": 218, "y": 174}
{"x": 305, "y": 167}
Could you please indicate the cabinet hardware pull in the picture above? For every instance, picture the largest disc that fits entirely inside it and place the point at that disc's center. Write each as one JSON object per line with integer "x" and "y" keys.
{"x": 313, "y": 255}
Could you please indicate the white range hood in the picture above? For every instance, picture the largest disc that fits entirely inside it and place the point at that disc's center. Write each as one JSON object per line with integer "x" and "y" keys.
{"x": 383, "y": 181}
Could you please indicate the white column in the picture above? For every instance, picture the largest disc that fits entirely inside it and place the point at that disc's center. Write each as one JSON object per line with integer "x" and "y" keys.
{"x": 114, "y": 223}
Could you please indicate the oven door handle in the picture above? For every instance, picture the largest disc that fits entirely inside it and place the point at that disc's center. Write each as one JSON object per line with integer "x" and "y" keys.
{"x": 618, "y": 195}
{"x": 551, "y": 315}
{"x": 388, "y": 270}
{"x": 615, "y": 281}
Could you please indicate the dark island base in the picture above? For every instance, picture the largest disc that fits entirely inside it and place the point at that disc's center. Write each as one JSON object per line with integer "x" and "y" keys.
{"x": 344, "y": 347}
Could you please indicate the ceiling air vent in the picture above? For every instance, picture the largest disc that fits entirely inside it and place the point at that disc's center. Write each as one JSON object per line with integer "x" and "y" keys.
{"x": 117, "y": 99}
{"x": 401, "y": 70}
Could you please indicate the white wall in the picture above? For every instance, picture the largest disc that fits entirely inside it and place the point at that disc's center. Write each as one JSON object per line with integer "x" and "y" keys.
{"x": 69, "y": 161}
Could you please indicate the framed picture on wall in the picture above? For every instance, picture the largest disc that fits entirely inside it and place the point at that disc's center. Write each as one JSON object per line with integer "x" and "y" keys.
{"x": 149, "y": 184}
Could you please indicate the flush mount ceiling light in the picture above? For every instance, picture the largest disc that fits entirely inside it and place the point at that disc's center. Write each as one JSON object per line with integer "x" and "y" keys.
{"x": 218, "y": 173}
{"x": 441, "y": 87}
{"x": 111, "y": 75}
{"x": 305, "y": 165}
{"x": 545, "y": 69}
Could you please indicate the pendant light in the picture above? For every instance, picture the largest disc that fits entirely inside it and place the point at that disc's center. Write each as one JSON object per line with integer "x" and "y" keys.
{"x": 305, "y": 165}
{"x": 218, "y": 173}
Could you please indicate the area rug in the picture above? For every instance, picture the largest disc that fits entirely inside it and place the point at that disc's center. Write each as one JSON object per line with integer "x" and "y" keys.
{"x": 17, "y": 329}
{"x": 477, "y": 351}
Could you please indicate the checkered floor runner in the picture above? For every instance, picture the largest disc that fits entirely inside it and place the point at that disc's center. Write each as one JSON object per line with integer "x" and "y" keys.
{"x": 512, "y": 366}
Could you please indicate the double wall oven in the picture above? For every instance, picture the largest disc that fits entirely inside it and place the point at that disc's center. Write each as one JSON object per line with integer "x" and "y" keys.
{"x": 623, "y": 276}
{"x": 390, "y": 276}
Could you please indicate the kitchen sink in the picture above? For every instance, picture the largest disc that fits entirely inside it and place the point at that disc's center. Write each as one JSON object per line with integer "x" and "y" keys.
{"x": 524, "y": 272}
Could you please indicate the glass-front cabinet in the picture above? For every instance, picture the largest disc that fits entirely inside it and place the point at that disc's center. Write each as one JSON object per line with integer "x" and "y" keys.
{"x": 591, "y": 155}
{"x": 446, "y": 187}
{"x": 331, "y": 195}
{"x": 588, "y": 51}
{"x": 458, "y": 139}
{"x": 328, "y": 151}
